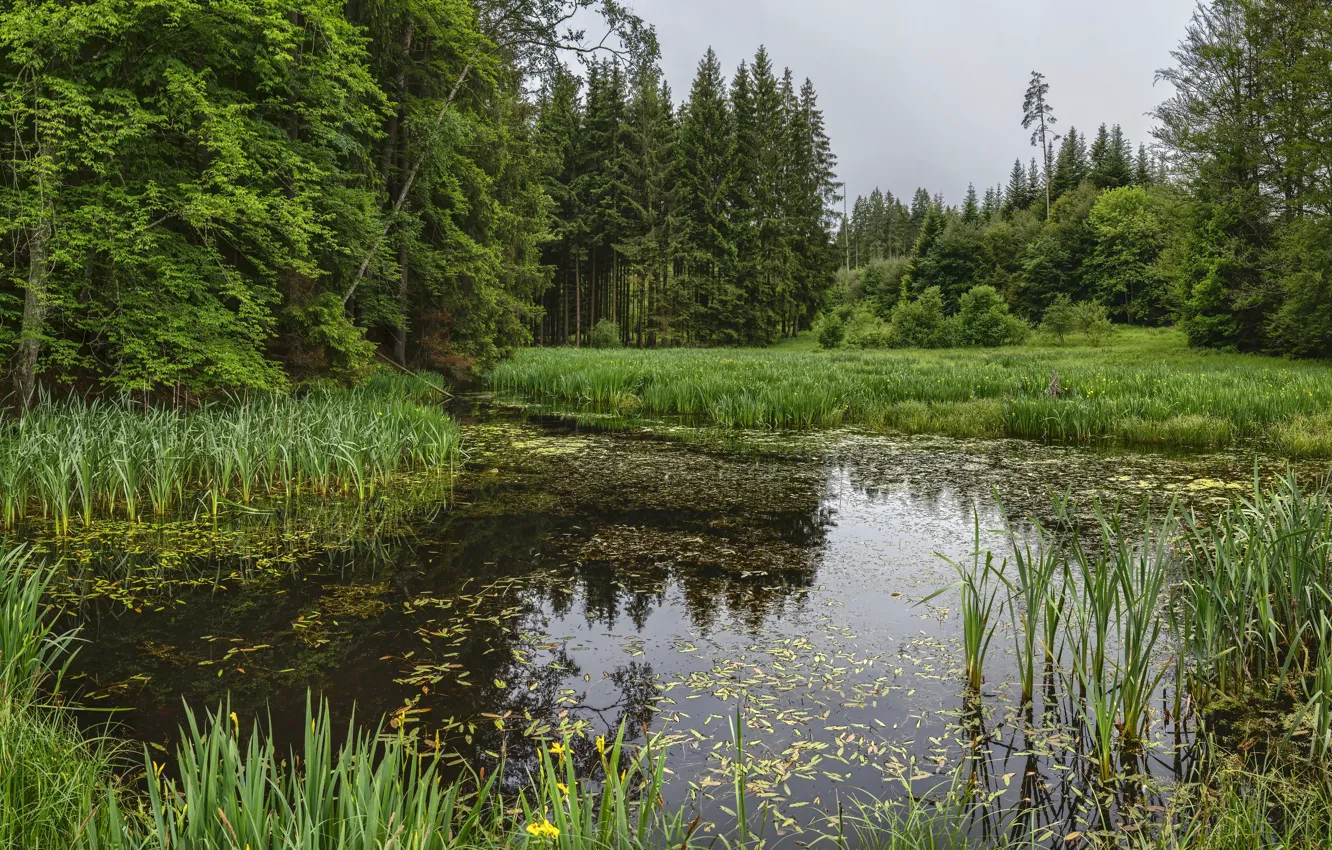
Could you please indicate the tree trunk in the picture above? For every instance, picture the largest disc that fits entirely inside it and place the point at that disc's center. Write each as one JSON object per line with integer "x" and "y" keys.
{"x": 400, "y": 340}
{"x": 34, "y": 318}
{"x": 578, "y": 305}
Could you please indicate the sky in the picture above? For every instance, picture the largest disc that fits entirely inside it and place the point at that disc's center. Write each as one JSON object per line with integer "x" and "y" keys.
{"x": 929, "y": 92}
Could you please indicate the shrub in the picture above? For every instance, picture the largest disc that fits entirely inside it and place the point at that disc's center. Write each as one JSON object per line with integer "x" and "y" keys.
{"x": 983, "y": 320}
{"x": 605, "y": 335}
{"x": 865, "y": 330}
{"x": 1061, "y": 318}
{"x": 921, "y": 323}
{"x": 831, "y": 332}
{"x": 1094, "y": 321}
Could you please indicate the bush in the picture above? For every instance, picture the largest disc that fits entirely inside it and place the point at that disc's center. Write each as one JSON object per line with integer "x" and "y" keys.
{"x": 983, "y": 320}
{"x": 1094, "y": 321}
{"x": 831, "y": 332}
{"x": 921, "y": 323}
{"x": 1061, "y": 318}
{"x": 865, "y": 330}
{"x": 605, "y": 335}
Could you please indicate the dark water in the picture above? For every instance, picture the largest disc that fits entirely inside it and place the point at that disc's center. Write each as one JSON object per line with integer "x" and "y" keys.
{"x": 580, "y": 580}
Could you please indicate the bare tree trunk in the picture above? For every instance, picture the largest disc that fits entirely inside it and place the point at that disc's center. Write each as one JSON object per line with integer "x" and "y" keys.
{"x": 578, "y": 305}
{"x": 34, "y": 318}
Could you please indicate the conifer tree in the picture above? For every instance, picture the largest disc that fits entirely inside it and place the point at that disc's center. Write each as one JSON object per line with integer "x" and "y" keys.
{"x": 650, "y": 132}
{"x": 1038, "y": 116}
{"x": 1100, "y": 159}
{"x": 971, "y": 207}
{"x": 704, "y": 169}
{"x": 1018, "y": 195}
{"x": 1142, "y": 173}
{"x": 1071, "y": 167}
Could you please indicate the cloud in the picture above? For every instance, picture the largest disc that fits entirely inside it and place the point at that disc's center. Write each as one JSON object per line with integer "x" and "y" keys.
{"x": 929, "y": 92}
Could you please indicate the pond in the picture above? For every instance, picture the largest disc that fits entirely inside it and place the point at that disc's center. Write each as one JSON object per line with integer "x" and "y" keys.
{"x": 668, "y": 580}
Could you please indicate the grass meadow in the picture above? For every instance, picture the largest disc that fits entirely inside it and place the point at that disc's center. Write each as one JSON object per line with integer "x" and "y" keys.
{"x": 1142, "y": 388}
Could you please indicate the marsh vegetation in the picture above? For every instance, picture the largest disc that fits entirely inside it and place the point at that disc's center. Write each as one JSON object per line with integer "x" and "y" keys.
{"x": 1145, "y": 388}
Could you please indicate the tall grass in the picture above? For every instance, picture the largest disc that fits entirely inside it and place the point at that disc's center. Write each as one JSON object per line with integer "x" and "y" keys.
{"x": 79, "y": 460}
{"x": 1146, "y": 389}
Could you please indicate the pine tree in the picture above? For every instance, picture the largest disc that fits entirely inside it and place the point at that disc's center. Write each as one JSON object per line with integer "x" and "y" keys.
{"x": 1143, "y": 174}
{"x": 704, "y": 168}
{"x": 971, "y": 207}
{"x": 1038, "y": 116}
{"x": 1071, "y": 166}
{"x": 1018, "y": 195}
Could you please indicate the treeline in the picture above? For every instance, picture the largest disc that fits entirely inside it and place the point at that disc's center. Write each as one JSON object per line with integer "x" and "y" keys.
{"x": 202, "y": 195}
{"x": 1250, "y": 135}
{"x": 1223, "y": 229}
{"x": 1100, "y": 239}
{"x": 706, "y": 224}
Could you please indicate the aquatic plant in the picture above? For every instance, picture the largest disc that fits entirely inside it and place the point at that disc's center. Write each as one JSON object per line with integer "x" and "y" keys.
{"x": 94, "y": 458}
{"x": 979, "y": 584}
{"x": 1146, "y": 388}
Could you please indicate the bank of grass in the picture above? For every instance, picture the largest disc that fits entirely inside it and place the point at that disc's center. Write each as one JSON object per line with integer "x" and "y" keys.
{"x": 77, "y": 461}
{"x": 1141, "y": 388}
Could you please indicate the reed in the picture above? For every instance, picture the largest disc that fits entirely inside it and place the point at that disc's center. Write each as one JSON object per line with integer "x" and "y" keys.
{"x": 979, "y": 584}
{"x": 1147, "y": 388}
{"x": 94, "y": 459}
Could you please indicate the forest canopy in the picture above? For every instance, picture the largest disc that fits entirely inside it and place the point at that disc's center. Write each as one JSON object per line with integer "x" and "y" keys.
{"x": 204, "y": 196}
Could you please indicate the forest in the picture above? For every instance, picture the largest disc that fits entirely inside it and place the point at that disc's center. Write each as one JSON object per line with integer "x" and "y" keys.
{"x": 205, "y": 196}
{"x": 436, "y": 184}
{"x": 1218, "y": 228}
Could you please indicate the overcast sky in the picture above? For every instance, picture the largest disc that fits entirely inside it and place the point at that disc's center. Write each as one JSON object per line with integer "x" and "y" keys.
{"x": 929, "y": 92}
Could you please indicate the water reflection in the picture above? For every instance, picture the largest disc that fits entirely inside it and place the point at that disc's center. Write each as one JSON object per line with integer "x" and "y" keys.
{"x": 586, "y": 580}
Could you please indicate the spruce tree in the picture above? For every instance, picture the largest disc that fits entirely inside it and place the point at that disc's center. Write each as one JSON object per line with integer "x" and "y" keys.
{"x": 1100, "y": 159}
{"x": 1017, "y": 197}
{"x": 1071, "y": 166}
{"x": 971, "y": 206}
{"x": 650, "y": 132}
{"x": 1142, "y": 173}
{"x": 775, "y": 260}
{"x": 704, "y": 169}
{"x": 1118, "y": 170}
{"x": 560, "y": 134}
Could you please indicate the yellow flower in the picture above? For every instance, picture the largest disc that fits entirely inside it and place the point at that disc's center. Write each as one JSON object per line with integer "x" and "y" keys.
{"x": 558, "y": 749}
{"x": 564, "y": 789}
{"x": 545, "y": 829}
{"x": 236, "y": 721}
{"x": 601, "y": 744}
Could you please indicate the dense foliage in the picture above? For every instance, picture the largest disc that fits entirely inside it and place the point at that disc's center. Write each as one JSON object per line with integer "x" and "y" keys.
{"x": 204, "y": 195}
{"x": 1223, "y": 230}
{"x": 707, "y": 224}
{"x": 1103, "y": 241}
